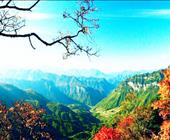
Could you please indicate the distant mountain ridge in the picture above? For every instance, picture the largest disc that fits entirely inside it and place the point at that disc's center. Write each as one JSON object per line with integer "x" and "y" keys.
{"x": 10, "y": 94}
{"x": 66, "y": 89}
{"x": 86, "y": 90}
{"x": 38, "y": 74}
{"x": 99, "y": 74}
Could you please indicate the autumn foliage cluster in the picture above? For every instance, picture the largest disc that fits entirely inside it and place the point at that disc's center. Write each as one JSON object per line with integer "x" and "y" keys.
{"x": 108, "y": 134}
{"x": 128, "y": 128}
{"x": 163, "y": 104}
{"x": 135, "y": 125}
{"x": 22, "y": 121}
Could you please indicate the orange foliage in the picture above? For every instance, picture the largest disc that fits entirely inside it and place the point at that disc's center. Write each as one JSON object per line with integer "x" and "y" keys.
{"x": 22, "y": 121}
{"x": 125, "y": 127}
{"x": 165, "y": 127}
{"x": 163, "y": 104}
{"x": 107, "y": 134}
{"x": 133, "y": 127}
{"x": 126, "y": 122}
{"x": 115, "y": 133}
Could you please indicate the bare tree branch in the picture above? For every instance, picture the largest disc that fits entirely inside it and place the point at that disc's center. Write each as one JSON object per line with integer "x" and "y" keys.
{"x": 39, "y": 38}
{"x": 8, "y": 6}
{"x": 31, "y": 42}
{"x": 10, "y": 25}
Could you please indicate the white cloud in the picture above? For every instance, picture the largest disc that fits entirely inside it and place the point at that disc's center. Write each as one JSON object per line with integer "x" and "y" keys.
{"x": 159, "y": 12}
{"x": 37, "y": 16}
{"x": 135, "y": 13}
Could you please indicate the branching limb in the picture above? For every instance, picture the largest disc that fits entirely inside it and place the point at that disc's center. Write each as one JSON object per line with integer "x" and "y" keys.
{"x": 8, "y": 6}
{"x": 11, "y": 24}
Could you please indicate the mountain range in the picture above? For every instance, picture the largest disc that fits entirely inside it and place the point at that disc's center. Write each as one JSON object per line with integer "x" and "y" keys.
{"x": 63, "y": 88}
{"x": 144, "y": 88}
{"x": 78, "y": 106}
{"x": 10, "y": 94}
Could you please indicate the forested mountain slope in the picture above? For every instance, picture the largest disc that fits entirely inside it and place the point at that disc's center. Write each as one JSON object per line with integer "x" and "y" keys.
{"x": 9, "y": 94}
{"x": 143, "y": 86}
{"x": 62, "y": 88}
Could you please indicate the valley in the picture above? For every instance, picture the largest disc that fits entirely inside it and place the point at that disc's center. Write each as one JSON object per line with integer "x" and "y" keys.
{"x": 76, "y": 107}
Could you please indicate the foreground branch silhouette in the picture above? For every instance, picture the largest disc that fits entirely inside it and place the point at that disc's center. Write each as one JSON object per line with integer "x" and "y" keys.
{"x": 10, "y": 25}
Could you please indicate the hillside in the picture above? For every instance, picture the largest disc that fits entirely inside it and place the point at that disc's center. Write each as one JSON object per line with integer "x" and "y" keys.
{"x": 144, "y": 86}
{"x": 73, "y": 121}
{"x": 9, "y": 94}
{"x": 63, "y": 89}
{"x": 44, "y": 87}
{"x": 85, "y": 90}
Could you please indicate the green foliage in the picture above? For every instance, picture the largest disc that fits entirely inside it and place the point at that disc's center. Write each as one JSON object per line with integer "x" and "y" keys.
{"x": 74, "y": 122}
{"x": 85, "y": 135}
{"x": 144, "y": 87}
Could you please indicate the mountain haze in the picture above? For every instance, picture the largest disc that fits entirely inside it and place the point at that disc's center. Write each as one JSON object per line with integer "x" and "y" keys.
{"x": 9, "y": 94}
{"x": 65, "y": 89}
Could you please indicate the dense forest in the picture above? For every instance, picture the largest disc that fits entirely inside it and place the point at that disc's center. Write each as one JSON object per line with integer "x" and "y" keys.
{"x": 138, "y": 108}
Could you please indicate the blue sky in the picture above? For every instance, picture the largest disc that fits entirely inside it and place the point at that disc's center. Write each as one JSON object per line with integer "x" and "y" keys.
{"x": 132, "y": 36}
